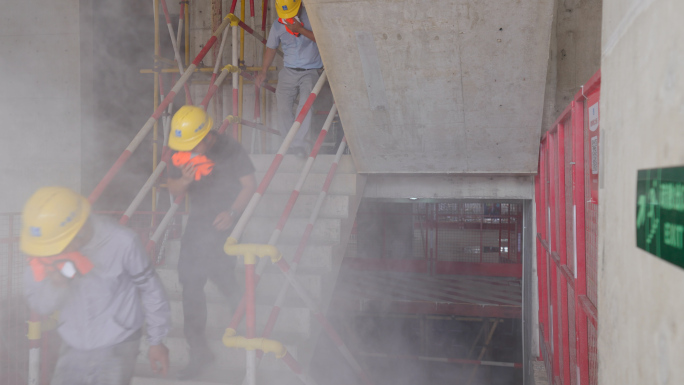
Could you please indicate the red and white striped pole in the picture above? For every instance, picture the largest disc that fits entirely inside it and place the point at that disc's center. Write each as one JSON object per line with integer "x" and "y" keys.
{"x": 251, "y": 206}
{"x": 174, "y": 43}
{"x": 257, "y": 114}
{"x": 166, "y": 155}
{"x": 254, "y": 33}
{"x": 217, "y": 83}
{"x": 286, "y": 214}
{"x": 99, "y": 189}
{"x": 214, "y": 81}
{"x": 239, "y": 227}
{"x": 156, "y": 236}
{"x": 282, "y": 293}
{"x": 320, "y": 317}
{"x": 235, "y": 61}
{"x": 296, "y": 368}
{"x": 34, "y": 335}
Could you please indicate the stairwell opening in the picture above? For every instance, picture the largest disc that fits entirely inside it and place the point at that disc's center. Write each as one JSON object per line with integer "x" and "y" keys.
{"x": 430, "y": 291}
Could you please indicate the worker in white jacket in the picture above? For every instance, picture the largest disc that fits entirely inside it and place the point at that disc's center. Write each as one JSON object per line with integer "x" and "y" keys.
{"x": 96, "y": 273}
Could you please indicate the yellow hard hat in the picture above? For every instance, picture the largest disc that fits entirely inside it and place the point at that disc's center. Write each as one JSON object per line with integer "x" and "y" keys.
{"x": 51, "y": 219}
{"x": 189, "y": 126}
{"x": 287, "y": 9}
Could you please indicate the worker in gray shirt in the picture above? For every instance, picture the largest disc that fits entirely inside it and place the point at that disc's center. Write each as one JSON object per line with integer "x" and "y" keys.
{"x": 302, "y": 63}
{"x": 96, "y": 273}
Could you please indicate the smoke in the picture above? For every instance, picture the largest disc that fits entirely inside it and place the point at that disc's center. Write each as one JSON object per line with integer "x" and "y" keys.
{"x": 378, "y": 315}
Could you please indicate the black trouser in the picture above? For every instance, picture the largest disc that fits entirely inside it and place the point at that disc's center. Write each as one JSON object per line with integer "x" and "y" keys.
{"x": 202, "y": 258}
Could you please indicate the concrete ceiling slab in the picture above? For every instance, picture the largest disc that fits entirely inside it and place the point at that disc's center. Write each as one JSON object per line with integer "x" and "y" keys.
{"x": 437, "y": 86}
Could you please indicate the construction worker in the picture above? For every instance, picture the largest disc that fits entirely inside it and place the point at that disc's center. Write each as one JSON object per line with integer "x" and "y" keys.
{"x": 219, "y": 176}
{"x": 302, "y": 65}
{"x": 96, "y": 273}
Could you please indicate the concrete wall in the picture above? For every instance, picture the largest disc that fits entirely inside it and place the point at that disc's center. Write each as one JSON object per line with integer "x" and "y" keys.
{"x": 39, "y": 98}
{"x": 574, "y": 53}
{"x": 449, "y": 187}
{"x": 641, "y": 317}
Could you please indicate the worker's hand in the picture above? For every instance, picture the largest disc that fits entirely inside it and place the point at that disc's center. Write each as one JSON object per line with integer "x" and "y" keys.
{"x": 159, "y": 359}
{"x": 223, "y": 221}
{"x": 260, "y": 77}
{"x": 296, "y": 26}
{"x": 58, "y": 279}
{"x": 188, "y": 171}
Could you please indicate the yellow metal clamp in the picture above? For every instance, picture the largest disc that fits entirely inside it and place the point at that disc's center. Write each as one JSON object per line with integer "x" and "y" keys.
{"x": 234, "y": 20}
{"x": 34, "y": 330}
{"x": 232, "y": 119}
{"x": 251, "y": 251}
{"x": 263, "y": 344}
{"x": 232, "y": 68}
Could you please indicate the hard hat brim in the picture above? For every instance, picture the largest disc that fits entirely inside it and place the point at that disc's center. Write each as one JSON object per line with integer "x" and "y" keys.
{"x": 50, "y": 248}
{"x": 290, "y": 13}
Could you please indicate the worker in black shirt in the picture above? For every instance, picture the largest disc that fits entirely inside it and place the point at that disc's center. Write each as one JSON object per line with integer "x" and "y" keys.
{"x": 218, "y": 174}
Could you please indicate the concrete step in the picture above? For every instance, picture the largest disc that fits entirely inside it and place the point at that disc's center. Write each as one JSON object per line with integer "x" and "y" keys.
{"x": 291, "y": 320}
{"x": 169, "y": 278}
{"x": 272, "y": 206}
{"x": 215, "y": 374}
{"x": 225, "y": 357}
{"x": 271, "y": 282}
{"x": 318, "y": 257}
{"x": 259, "y": 230}
{"x": 315, "y": 257}
{"x": 293, "y": 164}
{"x": 342, "y": 184}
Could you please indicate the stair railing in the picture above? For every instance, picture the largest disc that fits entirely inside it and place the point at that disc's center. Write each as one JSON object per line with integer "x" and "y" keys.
{"x": 292, "y": 270}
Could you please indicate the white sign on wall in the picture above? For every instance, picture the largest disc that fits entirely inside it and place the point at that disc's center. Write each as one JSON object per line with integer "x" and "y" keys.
{"x": 593, "y": 117}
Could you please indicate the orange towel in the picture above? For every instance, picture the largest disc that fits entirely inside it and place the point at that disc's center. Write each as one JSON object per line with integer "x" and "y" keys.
{"x": 285, "y": 22}
{"x": 41, "y": 266}
{"x": 203, "y": 165}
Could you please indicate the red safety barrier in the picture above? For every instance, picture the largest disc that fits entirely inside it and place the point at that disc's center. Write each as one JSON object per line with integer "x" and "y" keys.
{"x": 462, "y": 238}
{"x": 567, "y": 210}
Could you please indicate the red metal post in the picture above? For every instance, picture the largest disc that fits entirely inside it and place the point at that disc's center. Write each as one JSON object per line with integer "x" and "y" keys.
{"x": 553, "y": 243}
{"x": 540, "y": 181}
{"x": 578, "y": 189}
{"x": 562, "y": 250}
{"x": 264, "y": 12}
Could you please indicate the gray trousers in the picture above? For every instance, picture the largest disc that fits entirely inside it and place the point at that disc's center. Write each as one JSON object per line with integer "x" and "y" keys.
{"x": 112, "y": 365}
{"x": 290, "y": 84}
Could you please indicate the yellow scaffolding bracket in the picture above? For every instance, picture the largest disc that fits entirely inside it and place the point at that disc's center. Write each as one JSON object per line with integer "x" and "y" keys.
{"x": 263, "y": 344}
{"x": 251, "y": 251}
{"x": 232, "y": 69}
{"x": 233, "y": 119}
{"x": 34, "y": 330}
{"x": 234, "y": 20}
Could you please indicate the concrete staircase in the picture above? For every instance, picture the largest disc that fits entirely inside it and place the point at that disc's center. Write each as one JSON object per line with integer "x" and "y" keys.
{"x": 318, "y": 270}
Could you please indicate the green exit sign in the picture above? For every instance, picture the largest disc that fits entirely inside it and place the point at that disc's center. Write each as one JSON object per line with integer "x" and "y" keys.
{"x": 660, "y": 213}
